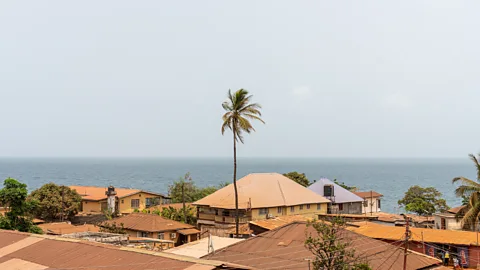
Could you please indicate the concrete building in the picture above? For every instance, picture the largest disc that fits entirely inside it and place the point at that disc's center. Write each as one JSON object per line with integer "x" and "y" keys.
{"x": 371, "y": 201}
{"x": 260, "y": 196}
{"x": 447, "y": 220}
{"x": 95, "y": 199}
{"x": 342, "y": 201}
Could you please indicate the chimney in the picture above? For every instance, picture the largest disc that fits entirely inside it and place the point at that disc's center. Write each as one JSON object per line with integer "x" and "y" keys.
{"x": 111, "y": 194}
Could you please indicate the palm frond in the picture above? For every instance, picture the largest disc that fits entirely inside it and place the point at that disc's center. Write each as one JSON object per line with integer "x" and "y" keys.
{"x": 244, "y": 125}
{"x": 465, "y": 181}
{"x": 255, "y": 117}
{"x": 465, "y": 191}
{"x": 477, "y": 165}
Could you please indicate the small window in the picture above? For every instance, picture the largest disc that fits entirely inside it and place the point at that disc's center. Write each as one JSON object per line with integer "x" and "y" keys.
{"x": 340, "y": 207}
{"x": 122, "y": 201}
{"x": 279, "y": 210}
{"x": 301, "y": 207}
{"x": 173, "y": 235}
{"x": 318, "y": 206}
{"x": 262, "y": 211}
{"x": 378, "y": 203}
{"x": 142, "y": 234}
{"x": 308, "y": 206}
{"x": 365, "y": 203}
{"x": 135, "y": 203}
{"x": 161, "y": 236}
{"x": 292, "y": 208}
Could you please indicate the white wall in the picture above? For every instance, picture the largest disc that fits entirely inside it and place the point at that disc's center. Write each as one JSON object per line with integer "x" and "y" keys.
{"x": 372, "y": 206}
{"x": 450, "y": 223}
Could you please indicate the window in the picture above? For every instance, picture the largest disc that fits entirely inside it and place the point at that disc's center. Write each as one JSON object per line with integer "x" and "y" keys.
{"x": 262, "y": 211}
{"x": 318, "y": 206}
{"x": 301, "y": 207}
{"x": 340, "y": 206}
{"x": 279, "y": 210}
{"x": 308, "y": 206}
{"x": 365, "y": 203}
{"x": 328, "y": 191}
{"x": 173, "y": 235}
{"x": 142, "y": 234}
{"x": 161, "y": 236}
{"x": 378, "y": 203}
{"x": 135, "y": 203}
{"x": 292, "y": 208}
{"x": 122, "y": 201}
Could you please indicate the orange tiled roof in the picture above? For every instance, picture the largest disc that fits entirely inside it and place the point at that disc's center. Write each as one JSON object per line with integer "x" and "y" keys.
{"x": 273, "y": 223}
{"x": 258, "y": 190}
{"x": 378, "y": 231}
{"x": 148, "y": 223}
{"x": 98, "y": 193}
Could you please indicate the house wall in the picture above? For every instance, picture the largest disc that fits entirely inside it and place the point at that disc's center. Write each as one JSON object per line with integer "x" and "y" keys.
{"x": 348, "y": 208}
{"x": 91, "y": 206}
{"x": 125, "y": 204}
{"x": 166, "y": 235}
{"x": 450, "y": 223}
{"x": 372, "y": 206}
{"x": 287, "y": 211}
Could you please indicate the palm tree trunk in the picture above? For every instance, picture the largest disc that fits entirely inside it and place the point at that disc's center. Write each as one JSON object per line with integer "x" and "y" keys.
{"x": 235, "y": 179}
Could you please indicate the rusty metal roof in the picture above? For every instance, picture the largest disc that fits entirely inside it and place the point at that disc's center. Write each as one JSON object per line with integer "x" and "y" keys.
{"x": 66, "y": 228}
{"x": 283, "y": 248}
{"x": 368, "y": 194}
{"x": 259, "y": 190}
{"x": 25, "y": 251}
{"x": 148, "y": 223}
{"x": 429, "y": 235}
{"x": 273, "y": 223}
{"x": 188, "y": 231}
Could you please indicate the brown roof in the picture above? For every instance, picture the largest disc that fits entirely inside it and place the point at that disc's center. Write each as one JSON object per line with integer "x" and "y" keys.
{"x": 262, "y": 190}
{"x": 389, "y": 217}
{"x": 283, "y": 248}
{"x": 188, "y": 231}
{"x": 451, "y": 237}
{"x": 242, "y": 229}
{"x": 368, "y": 194}
{"x": 98, "y": 193}
{"x": 65, "y": 228}
{"x": 273, "y": 223}
{"x": 148, "y": 223}
{"x": 455, "y": 210}
{"x": 25, "y": 251}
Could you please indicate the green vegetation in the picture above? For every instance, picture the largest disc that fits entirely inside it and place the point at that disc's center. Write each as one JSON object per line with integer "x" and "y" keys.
{"x": 423, "y": 201}
{"x": 55, "y": 202}
{"x": 13, "y": 197}
{"x": 192, "y": 192}
{"x": 239, "y": 112}
{"x": 112, "y": 228}
{"x": 342, "y": 184}
{"x": 173, "y": 213}
{"x": 331, "y": 246}
{"x": 300, "y": 178}
{"x": 469, "y": 191}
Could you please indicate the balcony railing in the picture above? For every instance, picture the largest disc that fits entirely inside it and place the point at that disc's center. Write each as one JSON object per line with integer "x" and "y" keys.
{"x": 223, "y": 219}
{"x": 206, "y": 216}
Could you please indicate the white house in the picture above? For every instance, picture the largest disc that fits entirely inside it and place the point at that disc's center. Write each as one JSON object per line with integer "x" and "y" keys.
{"x": 447, "y": 220}
{"x": 371, "y": 201}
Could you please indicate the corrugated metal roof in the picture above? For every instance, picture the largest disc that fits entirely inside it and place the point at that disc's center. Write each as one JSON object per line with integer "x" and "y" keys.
{"x": 341, "y": 195}
{"x": 44, "y": 251}
{"x": 92, "y": 193}
{"x": 65, "y": 228}
{"x": 368, "y": 194}
{"x": 148, "y": 223}
{"x": 188, "y": 231}
{"x": 273, "y": 223}
{"x": 262, "y": 190}
{"x": 283, "y": 248}
{"x": 199, "y": 248}
{"x": 379, "y": 231}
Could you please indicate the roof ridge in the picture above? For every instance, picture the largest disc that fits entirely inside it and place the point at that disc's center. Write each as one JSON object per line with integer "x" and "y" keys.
{"x": 281, "y": 191}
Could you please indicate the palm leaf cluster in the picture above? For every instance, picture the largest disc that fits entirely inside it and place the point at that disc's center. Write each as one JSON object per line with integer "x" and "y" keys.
{"x": 470, "y": 190}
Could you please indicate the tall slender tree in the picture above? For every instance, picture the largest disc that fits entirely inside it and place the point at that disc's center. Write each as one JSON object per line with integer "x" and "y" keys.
{"x": 469, "y": 190}
{"x": 239, "y": 112}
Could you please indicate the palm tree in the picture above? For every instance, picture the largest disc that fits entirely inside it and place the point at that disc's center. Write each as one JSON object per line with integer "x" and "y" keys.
{"x": 469, "y": 189}
{"x": 239, "y": 110}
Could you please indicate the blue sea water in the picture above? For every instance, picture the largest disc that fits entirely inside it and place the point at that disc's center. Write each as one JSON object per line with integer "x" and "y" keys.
{"x": 391, "y": 177}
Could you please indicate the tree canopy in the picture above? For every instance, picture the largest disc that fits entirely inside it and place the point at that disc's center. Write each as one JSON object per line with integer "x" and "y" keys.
{"x": 300, "y": 178}
{"x": 19, "y": 211}
{"x": 423, "y": 201}
{"x": 192, "y": 192}
{"x": 342, "y": 184}
{"x": 332, "y": 247}
{"x": 53, "y": 200}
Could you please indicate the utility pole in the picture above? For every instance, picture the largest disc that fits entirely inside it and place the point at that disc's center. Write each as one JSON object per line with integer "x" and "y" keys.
{"x": 309, "y": 261}
{"x": 371, "y": 202}
{"x": 407, "y": 237}
{"x": 423, "y": 243}
{"x": 183, "y": 201}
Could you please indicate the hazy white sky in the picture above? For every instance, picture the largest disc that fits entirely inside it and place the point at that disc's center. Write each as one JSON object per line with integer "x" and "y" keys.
{"x": 335, "y": 78}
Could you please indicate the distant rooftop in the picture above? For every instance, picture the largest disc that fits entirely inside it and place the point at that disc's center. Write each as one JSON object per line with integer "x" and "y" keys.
{"x": 93, "y": 193}
{"x": 368, "y": 194}
{"x": 198, "y": 249}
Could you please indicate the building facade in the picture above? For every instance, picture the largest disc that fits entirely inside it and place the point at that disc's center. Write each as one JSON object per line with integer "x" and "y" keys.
{"x": 371, "y": 201}
{"x": 342, "y": 200}
{"x": 260, "y": 196}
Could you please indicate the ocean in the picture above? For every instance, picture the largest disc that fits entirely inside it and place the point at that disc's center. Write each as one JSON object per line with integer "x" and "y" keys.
{"x": 391, "y": 177}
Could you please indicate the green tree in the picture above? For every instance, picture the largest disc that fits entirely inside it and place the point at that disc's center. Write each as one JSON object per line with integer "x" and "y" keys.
{"x": 342, "y": 184}
{"x": 18, "y": 215}
{"x": 423, "y": 201}
{"x": 331, "y": 245}
{"x": 239, "y": 112}
{"x": 469, "y": 191}
{"x": 178, "y": 214}
{"x": 56, "y": 202}
{"x": 192, "y": 192}
{"x": 300, "y": 178}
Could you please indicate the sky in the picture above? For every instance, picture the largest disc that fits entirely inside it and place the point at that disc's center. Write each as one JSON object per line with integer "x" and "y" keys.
{"x": 147, "y": 79}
